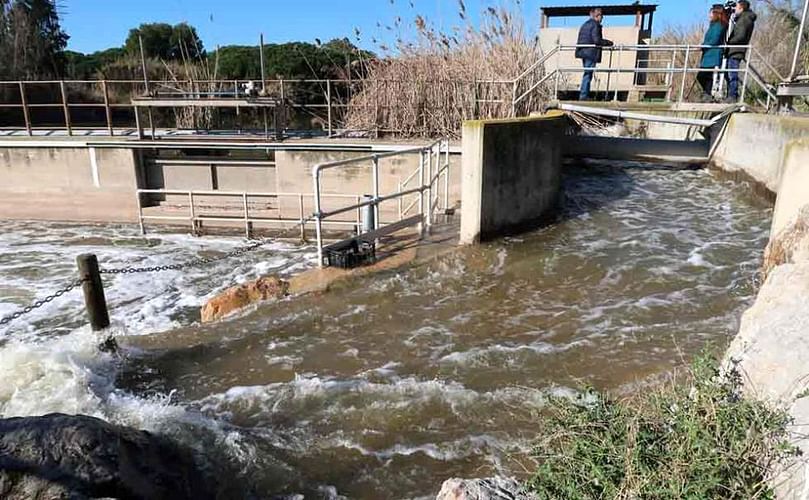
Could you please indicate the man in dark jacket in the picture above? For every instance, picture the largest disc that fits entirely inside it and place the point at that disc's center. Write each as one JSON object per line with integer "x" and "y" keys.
{"x": 740, "y": 34}
{"x": 590, "y": 34}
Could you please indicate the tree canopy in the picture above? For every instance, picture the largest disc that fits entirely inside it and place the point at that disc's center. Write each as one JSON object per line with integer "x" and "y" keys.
{"x": 167, "y": 42}
{"x": 294, "y": 60}
{"x": 32, "y": 42}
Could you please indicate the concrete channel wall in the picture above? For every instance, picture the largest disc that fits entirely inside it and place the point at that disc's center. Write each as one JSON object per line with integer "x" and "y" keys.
{"x": 68, "y": 183}
{"x": 511, "y": 174}
{"x": 772, "y": 347}
{"x": 70, "y": 180}
{"x": 755, "y": 145}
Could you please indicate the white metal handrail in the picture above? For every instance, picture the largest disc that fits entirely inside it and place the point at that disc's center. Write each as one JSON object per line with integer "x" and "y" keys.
{"x": 671, "y": 69}
{"x": 429, "y": 172}
{"x": 194, "y": 217}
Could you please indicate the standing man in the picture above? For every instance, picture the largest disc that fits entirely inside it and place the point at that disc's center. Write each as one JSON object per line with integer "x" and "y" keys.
{"x": 590, "y": 34}
{"x": 740, "y": 34}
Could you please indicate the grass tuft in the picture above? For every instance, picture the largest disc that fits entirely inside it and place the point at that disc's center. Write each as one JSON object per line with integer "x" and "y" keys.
{"x": 696, "y": 438}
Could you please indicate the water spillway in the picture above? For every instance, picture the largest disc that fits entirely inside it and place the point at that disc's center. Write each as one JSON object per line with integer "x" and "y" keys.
{"x": 388, "y": 386}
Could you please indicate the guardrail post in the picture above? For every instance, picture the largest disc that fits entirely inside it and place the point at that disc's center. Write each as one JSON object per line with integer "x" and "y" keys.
{"x": 446, "y": 178}
{"x": 107, "y": 110}
{"x": 25, "y": 111}
{"x": 428, "y": 216}
{"x": 65, "y": 107}
{"x": 247, "y": 227}
{"x": 318, "y": 219}
{"x": 140, "y": 212}
{"x": 376, "y": 191}
{"x": 421, "y": 191}
{"x": 744, "y": 82}
{"x": 328, "y": 104}
{"x": 93, "y": 288}
{"x": 685, "y": 72}
{"x": 400, "y": 201}
{"x": 191, "y": 213}
{"x": 303, "y": 217}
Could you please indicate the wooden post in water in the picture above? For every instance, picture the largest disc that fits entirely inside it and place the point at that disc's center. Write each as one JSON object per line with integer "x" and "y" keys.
{"x": 93, "y": 289}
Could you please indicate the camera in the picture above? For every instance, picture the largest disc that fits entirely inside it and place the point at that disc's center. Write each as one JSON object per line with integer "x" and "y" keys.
{"x": 730, "y": 5}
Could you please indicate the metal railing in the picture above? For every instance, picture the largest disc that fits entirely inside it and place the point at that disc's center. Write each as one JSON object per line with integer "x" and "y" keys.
{"x": 245, "y": 206}
{"x": 429, "y": 174}
{"x": 678, "y": 62}
{"x": 325, "y": 101}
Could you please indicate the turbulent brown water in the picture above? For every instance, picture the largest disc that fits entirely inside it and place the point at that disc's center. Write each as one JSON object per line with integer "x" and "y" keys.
{"x": 388, "y": 387}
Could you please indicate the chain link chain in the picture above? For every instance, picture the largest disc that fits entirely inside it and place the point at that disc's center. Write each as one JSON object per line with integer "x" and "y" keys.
{"x": 39, "y": 303}
{"x": 132, "y": 270}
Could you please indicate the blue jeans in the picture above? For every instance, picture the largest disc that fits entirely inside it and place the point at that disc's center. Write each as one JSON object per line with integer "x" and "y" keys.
{"x": 733, "y": 78}
{"x": 586, "y": 79}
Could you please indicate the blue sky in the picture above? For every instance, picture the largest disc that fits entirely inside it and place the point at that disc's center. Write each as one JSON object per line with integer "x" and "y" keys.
{"x": 99, "y": 24}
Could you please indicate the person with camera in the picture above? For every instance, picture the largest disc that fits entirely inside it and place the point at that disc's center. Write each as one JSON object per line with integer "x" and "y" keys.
{"x": 712, "y": 51}
{"x": 743, "y": 24}
{"x": 591, "y": 33}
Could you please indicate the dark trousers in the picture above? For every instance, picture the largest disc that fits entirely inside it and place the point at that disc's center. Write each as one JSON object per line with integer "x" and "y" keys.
{"x": 586, "y": 79}
{"x": 733, "y": 77}
{"x": 705, "y": 79}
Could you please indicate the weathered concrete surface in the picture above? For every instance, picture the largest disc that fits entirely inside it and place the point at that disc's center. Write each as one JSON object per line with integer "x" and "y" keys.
{"x": 79, "y": 457}
{"x": 757, "y": 144}
{"x": 511, "y": 174}
{"x": 84, "y": 184}
{"x": 497, "y": 488}
{"x": 772, "y": 346}
{"x": 238, "y": 297}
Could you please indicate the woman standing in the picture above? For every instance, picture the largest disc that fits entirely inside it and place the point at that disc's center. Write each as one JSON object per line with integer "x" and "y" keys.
{"x": 712, "y": 56}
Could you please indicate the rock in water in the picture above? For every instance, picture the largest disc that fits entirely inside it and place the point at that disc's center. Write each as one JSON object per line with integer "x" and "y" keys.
{"x": 76, "y": 457}
{"x": 496, "y": 488}
{"x": 239, "y": 297}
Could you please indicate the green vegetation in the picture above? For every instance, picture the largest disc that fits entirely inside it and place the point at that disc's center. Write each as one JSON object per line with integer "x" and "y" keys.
{"x": 166, "y": 42}
{"x": 32, "y": 42}
{"x": 696, "y": 438}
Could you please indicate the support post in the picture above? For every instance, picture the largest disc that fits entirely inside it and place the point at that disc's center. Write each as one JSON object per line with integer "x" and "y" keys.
{"x": 446, "y": 179}
{"x": 303, "y": 217}
{"x": 318, "y": 217}
{"x": 421, "y": 191}
{"x": 428, "y": 217}
{"x": 65, "y": 108}
{"x": 328, "y": 104}
{"x": 143, "y": 66}
{"x": 799, "y": 42}
{"x": 107, "y": 110}
{"x": 93, "y": 288}
{"x": 263, "y": 69}
{"x": 685, "y": 72}
{"x": 140, "y": 212}
{"x": 25, "y": 112}
{"x": 246, "y": 216}
{"x": 191, "y": 213}
{"x": 376, "y": 192}
{"x": 743, "y": 93}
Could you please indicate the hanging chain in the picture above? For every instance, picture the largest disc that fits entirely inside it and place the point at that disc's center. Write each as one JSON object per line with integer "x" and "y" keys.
{"x": 132, "y": 270}
{"x": 39, "y": 303}
{"x": 201, "y": 261}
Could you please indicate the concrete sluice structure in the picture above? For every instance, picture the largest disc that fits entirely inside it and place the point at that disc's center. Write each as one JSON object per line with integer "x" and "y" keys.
{"x": 386, "y": 383}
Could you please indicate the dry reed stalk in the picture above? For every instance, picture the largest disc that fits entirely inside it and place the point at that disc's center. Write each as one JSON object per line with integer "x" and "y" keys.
{"x": 429, "y": 86}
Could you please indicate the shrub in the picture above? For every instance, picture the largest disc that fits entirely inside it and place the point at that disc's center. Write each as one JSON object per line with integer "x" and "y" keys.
{"x": 695, "y": 438}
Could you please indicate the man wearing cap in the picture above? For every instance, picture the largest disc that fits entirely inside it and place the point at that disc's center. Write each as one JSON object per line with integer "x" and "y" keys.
{"x": 591, "y": 33}
{"x": 740, "y": 34}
